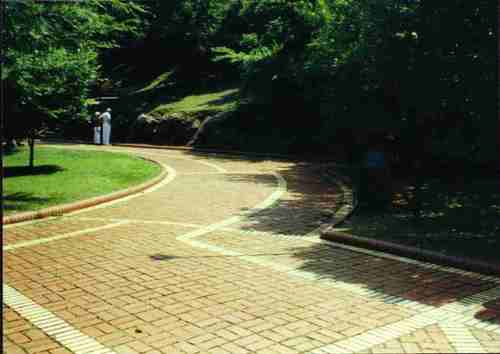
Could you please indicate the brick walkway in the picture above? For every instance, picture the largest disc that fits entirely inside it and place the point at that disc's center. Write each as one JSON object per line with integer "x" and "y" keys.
{"x": 225, "y": 259}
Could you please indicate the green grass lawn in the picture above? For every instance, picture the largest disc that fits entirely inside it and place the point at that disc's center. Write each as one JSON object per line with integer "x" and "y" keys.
{"x": 62, "y": 176}
{"x": 451, "y": 216}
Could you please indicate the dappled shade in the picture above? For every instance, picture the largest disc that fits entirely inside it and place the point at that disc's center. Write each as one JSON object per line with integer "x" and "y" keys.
{"x": 389, "y": 277}
{"x": 445, "y": 214}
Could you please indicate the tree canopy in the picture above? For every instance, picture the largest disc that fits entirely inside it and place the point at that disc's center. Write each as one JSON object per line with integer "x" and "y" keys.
{"x": 421, "y": 70}
{"x": 51, "y": 56}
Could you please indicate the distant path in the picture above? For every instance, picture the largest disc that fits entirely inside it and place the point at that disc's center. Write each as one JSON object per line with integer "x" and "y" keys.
{"x": 226, "y": 259}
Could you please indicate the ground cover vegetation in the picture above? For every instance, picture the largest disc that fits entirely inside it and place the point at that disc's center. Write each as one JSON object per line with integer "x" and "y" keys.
{"x": 453, "y": 212}
{"x": 63, "y": 176}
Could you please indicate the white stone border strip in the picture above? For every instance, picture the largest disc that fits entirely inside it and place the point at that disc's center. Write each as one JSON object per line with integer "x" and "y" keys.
{"x": 273, "y": 198}
{"x": 218, "y": 168}
{"x": 139, "y": 221}
{"x": 430, "y": 313}
{"x": 60, "y": 237}
{"x": 214, "y": 166}
{"x": 392, "y": 331}
{"x": 350, "y": 204}
{"x": 461, "y": 338}
{"x": 56, "y": 328}
{"x": 466, "y": 306}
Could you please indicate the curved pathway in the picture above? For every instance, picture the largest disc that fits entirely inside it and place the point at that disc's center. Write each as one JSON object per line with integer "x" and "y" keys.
{"x": 224, "y": 257}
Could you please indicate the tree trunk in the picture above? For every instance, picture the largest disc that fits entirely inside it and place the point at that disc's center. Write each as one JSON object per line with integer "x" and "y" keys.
{"x": 31, "y": 142}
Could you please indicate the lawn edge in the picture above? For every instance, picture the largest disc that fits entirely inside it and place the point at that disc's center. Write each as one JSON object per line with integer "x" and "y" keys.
{"x": 328, "y": 233}
{"x": 61, "y": 209}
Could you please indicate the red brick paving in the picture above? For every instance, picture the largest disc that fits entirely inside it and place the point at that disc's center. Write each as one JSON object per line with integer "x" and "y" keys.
{"x": 136, "y": 289}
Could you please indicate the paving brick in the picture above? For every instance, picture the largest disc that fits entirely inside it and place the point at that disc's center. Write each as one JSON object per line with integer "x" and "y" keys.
{"x": 152, "y": 315}
{"x": 60, "y": 351}
{"x": 263, "y": 284}
{"x": 40, "y": 345}
{"x": 18, "y": 338}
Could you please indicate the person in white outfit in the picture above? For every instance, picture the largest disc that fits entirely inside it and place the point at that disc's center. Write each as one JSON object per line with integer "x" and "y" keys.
{"x": 97, "y": 128}
{"x": 106, "y": 126}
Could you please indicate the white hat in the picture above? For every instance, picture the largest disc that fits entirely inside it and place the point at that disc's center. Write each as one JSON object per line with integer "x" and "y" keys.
{"x": 108, "y": 110}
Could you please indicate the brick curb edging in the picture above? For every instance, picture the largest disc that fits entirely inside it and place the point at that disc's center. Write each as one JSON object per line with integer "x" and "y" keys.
{"x": 349, "y": 203}
{"x": 327, "y": 233}
{"x": 87, "y": 203}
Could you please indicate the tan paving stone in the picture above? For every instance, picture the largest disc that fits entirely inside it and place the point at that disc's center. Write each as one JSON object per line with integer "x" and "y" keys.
{"x": 234, "y": 348}
{"x": 277, "y": 349}
{"x": 427, "y": 339}
{"x": 151, "y": 315}
{"x": 40, "y": 345}
{"x": 124, "y": 349}
{"x": 186, "y": 347}
{"x": 202, "y": 338}
{"x": 18, "y": 338}
{"x": 489, "y": 340}
{"x": 213, "y": 343}
{"x": 13, "y": 349}
{"x": 160, "y": 341}
{"x": 60, "y": 351}
{"x": 139, "y": 347}
{"x": 411, "y": 347}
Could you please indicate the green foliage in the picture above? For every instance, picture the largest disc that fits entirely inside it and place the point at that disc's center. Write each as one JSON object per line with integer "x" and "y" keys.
{"x": 51, "y": 56}
{"x": 416, "y": 69}
{"x": 189, "y": 24}
{"x": 272, "y": 37}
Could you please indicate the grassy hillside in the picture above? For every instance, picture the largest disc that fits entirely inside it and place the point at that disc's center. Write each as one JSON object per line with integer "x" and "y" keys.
{"x": 215, "y": 101}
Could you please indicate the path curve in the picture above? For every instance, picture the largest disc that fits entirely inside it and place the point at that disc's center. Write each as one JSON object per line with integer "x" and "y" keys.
{"x": 166, "y": 175}
{"x": 226, "y": 258}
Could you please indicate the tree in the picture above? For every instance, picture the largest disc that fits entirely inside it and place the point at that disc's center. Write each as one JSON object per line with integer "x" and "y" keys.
{"x": 51, "y": 58}
{"x": 272, "y": 39}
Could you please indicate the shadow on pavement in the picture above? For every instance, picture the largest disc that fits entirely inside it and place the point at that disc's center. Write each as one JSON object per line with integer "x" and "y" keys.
{"x": 303, "y": 209}
{"x": 490, "y": 313}
{"x": 308, "y": 203}
{"x": 390, "y": 277}
{"x": 168, "y": 257}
